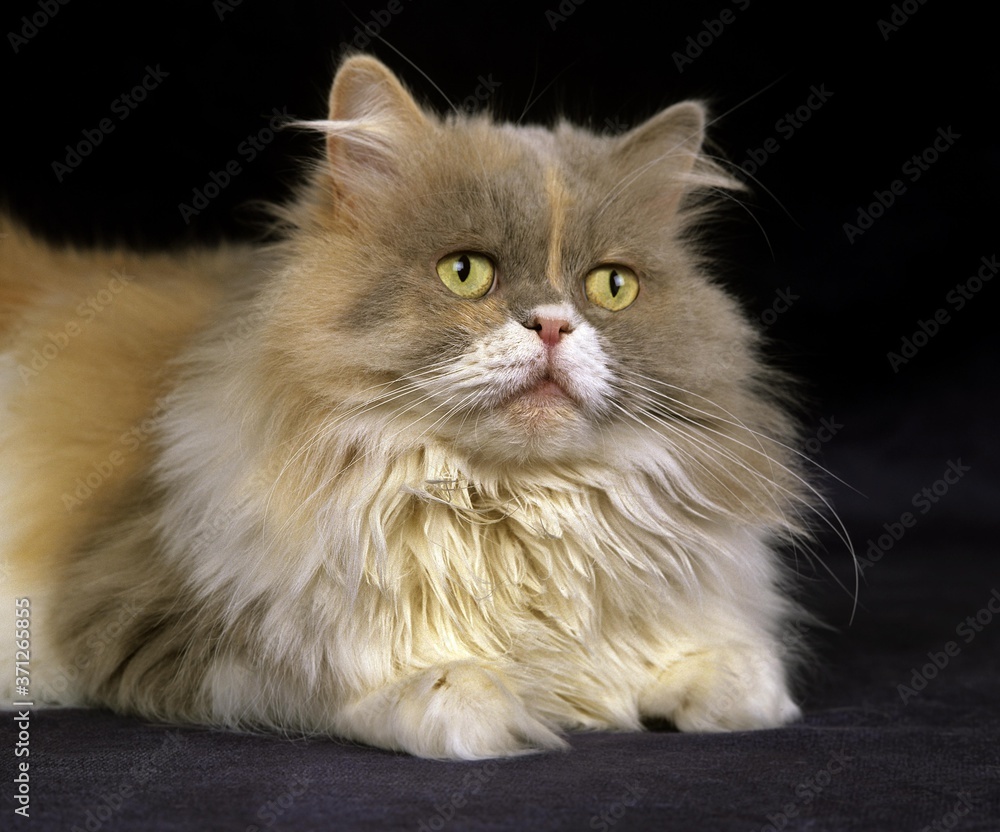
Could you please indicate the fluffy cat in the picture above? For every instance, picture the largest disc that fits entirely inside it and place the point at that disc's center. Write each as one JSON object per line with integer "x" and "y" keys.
{"x": 477, "y": 455}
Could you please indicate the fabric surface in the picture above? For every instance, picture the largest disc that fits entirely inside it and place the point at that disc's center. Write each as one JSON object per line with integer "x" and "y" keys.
{"x": 863, "y": 758}
{"x": 837, "y": 302}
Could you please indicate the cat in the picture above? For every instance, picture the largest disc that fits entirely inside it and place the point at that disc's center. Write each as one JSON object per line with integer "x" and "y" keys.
{"x": 477, "y": 455}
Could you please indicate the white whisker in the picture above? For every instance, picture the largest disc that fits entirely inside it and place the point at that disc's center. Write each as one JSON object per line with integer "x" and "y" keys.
{"x": 704, "y": 439}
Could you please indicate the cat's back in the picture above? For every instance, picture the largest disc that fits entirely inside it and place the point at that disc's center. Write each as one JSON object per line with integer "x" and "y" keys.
{"x": 86, "y": 340}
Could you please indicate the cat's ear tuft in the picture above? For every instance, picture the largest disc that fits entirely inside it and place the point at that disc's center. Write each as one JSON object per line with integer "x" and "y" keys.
{"x": 371, "y": 119}
{"x": 668, "y": 148}
{"x": 677, "y": 133}
{"x": 366, "y": 91}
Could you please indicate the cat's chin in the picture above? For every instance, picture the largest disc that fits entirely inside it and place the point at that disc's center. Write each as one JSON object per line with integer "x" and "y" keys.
{"x": 540, "y": 422}
{"x": 545, "y": 411}
{"x": 541, "y": 401}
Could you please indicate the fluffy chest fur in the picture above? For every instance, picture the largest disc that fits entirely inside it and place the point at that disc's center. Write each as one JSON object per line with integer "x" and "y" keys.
{"x": 578, "y": 579}
{"x": 478, "y": 452}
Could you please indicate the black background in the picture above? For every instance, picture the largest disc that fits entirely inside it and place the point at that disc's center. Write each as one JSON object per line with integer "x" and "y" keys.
{"x": 609, "y": 64}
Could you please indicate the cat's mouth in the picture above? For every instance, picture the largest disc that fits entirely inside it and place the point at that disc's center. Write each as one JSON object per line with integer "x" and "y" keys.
{"x": 547, "y": 387}
{"x": 546, "y": 390}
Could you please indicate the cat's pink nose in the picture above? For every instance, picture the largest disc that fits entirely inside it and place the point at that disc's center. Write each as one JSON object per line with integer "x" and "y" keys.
{"x": 550, "y": 330}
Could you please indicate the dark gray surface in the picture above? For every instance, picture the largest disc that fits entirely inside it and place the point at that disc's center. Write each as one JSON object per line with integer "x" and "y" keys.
{"x": 910, "y": 764}
{"x": 861, "y": 759}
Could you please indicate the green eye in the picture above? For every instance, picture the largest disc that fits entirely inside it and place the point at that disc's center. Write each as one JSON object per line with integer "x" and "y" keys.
{"x": 468, "y": 275}
{"x": 612, "y": 287}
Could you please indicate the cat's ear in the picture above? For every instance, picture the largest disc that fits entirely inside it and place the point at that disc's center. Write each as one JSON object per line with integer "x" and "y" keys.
{"x": 667, "y": 150}
{"x": 372, "y": 117}
{"x": 672, "y": 138}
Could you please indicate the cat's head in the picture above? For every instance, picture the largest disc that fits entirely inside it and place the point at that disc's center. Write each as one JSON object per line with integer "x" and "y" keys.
{"x": 521, "y": 293}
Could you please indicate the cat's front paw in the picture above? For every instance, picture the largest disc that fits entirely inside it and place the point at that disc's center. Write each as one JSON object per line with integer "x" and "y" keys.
{"x": 722, "y": 689}
{"x": 459, "y": 710}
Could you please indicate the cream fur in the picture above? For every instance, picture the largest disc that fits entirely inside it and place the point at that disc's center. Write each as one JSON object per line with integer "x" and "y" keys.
{"x": 370, "y": 509}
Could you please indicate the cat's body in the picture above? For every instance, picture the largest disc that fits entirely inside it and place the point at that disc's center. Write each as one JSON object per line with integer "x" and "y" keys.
{"x": 414, "y": 476}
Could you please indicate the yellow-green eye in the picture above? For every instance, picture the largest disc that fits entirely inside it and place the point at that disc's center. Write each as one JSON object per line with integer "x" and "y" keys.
{"x": 612, "y": 287}
{"x": 468, "y": 275}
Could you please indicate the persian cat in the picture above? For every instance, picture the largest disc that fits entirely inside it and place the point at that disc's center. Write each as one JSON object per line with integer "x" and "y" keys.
{"x": 476, "y": 455}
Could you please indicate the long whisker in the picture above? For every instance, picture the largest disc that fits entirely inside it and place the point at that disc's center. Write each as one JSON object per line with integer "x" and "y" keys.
{"x": 836, "y": 525}
{"x": 404, "y": 387}
{"x": 682, "y": 451}
{"x": 319, "y": 490}
{"x": 735, "y": 422}
{"x": 628, "y": 180}
{"x": 715, "y": 448}
{"x": 411, "y": 63}
{"x": 328, "y": 426}
{"x": 771, "y": 461}
{"x": 625, "y": 181}
{"x": 723, "y": 162}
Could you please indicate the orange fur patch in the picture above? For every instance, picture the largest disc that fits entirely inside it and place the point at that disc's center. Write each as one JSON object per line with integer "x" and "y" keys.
{"x": 89, "y": 338}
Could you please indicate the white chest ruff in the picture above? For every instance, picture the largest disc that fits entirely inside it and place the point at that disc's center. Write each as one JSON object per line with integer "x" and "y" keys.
{"x": 405, "y": 562}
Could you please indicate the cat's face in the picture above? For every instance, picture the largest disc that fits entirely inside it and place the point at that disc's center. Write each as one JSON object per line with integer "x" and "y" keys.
{"x": 516, "y": 292}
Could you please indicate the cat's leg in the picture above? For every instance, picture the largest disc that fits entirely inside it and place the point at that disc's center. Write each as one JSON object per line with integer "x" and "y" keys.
{"x": 455, "y": 710}
{"x": 724, "y": 687}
